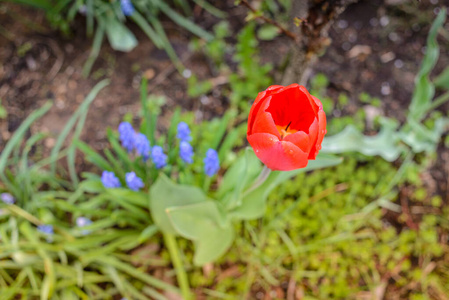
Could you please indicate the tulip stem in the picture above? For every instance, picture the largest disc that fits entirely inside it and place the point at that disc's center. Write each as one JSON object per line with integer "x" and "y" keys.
{"x": 261, "y": 179}
{"x": 181, "y": 275}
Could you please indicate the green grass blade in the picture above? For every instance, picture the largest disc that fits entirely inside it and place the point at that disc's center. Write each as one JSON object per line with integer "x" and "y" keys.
{"x": 96, "y": 46}
{"x": 183, "y": 22}
{"x": 424, "y": 89}
{"x": 20, "y": 132}
{"x": 143, "y": 24}
{"x": 82, "y": 110}
{"x": 92, "y": 156}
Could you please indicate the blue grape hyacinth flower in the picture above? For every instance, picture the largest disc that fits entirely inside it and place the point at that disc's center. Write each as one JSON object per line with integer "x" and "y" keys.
{"x": 82, "y": 222}
{"x": 127, "y": 7}
{"x": 109, "y": 180}
{"x": 133, "y": 182}
{"x": 127, "y": 136}
{"x": 186, "y": 152}
{"x": 46, "y": 229}
{"x": 158, "y": 157}
{"x": 211, "y": 163}
{"x": 7, "y": 198}
{"x": 183, "y": 133}
{"x": 142, "y": 145}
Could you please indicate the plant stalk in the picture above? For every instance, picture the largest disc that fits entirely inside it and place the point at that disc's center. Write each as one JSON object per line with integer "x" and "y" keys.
{"x": 181, "y": 274}
{"x": 261, "y": 179}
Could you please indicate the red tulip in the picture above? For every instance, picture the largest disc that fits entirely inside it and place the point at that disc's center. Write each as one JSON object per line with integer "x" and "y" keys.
{"x": 286, "y": 126}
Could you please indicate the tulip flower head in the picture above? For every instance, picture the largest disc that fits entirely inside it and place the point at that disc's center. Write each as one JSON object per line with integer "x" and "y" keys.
{"x": 286, "y": 126}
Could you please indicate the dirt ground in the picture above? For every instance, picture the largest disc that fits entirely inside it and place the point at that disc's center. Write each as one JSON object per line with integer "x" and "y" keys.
{"x": 377, "y": 46}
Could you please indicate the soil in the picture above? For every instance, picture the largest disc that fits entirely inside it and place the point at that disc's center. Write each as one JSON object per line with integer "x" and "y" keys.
{"x": 376, "y": 48}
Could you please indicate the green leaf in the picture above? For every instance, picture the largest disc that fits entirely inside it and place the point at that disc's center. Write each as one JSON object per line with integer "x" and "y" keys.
{"x": 183, "y": 22}
{"x": 242, "y": 171}
{"x": 254, "y": 202}
{"x": 165, "y": 194}
{"x": 82, "y": 110}
{"x": 267, "y": 32}
{"x": 385, "y": 143}
{"x": 205, "y": 224}
{"x": 420, "y": 138}
{"x": 424, "y": 89}
{"x": 442, "y": 81}
{"x": 120, "y": 38}
{"x": 20, "y": 132}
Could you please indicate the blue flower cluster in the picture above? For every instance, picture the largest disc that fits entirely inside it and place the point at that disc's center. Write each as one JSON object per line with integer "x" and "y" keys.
{"x": 45, "y": 229}
{"x": 82, "y": 222}
{"x": 158, "y": 157}
{"x": 142, "y": 145}
{"x": 127, "y": 135}
{"x": 186, "y": 152}
{"x": 139, "y": 142}
{"x": 110, "y": 181}
{"x": 211, "y": 163}
{"x": 7, "y": 198}
{"x": 185, "y": 149}
{"x": 133, "y": 182}
{"x": 183, "y": 133}
{"x": 127, "y": 7}
{"x": 134, "y": 141}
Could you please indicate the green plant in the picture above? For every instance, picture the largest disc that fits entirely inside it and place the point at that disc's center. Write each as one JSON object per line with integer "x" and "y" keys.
{"x": 107, "y": 18}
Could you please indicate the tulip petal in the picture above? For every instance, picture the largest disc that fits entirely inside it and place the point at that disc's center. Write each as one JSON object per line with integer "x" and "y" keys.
{"x": 263, "y": 121}
{"x": 313, "y": 103}
{"x": 321, "y": 132}
{"x": 277, "y": 155}
{"x": 261, "y": 97}
{"x": 291, "y": 105}
{"x": 300, "y": 139}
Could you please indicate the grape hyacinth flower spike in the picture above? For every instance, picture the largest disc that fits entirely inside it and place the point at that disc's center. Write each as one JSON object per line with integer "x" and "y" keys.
{"x": 142, "y": 145}
{"x": 127, "y": 7}
{"x": 82, "y": 222}
{"x": 7, "y": 198}
{"x": 109, "y": 180}
{"x": 127, "y": 136}
{"x": 211, "y": 163}
{"x": 47, "y": 230}
{"x": 183, "y": 133}
{"x": 133, "y": 182}
{"x": 158, "y": 157}
{"x": 186, "y": 152}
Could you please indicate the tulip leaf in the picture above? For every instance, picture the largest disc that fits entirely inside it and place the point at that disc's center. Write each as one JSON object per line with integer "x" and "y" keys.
{"x": 206, "y": 225}
{"x": 424, "y": 89}
{"x": 120, "y": 38}
{"x": 254, "y": 202}
{"x": 442, "y": 81}
{"x": 242, "y": 171}
{"x": 385, "y": 143}
{"x": 420, "y": 138}
{"x": 165, "y": 194}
